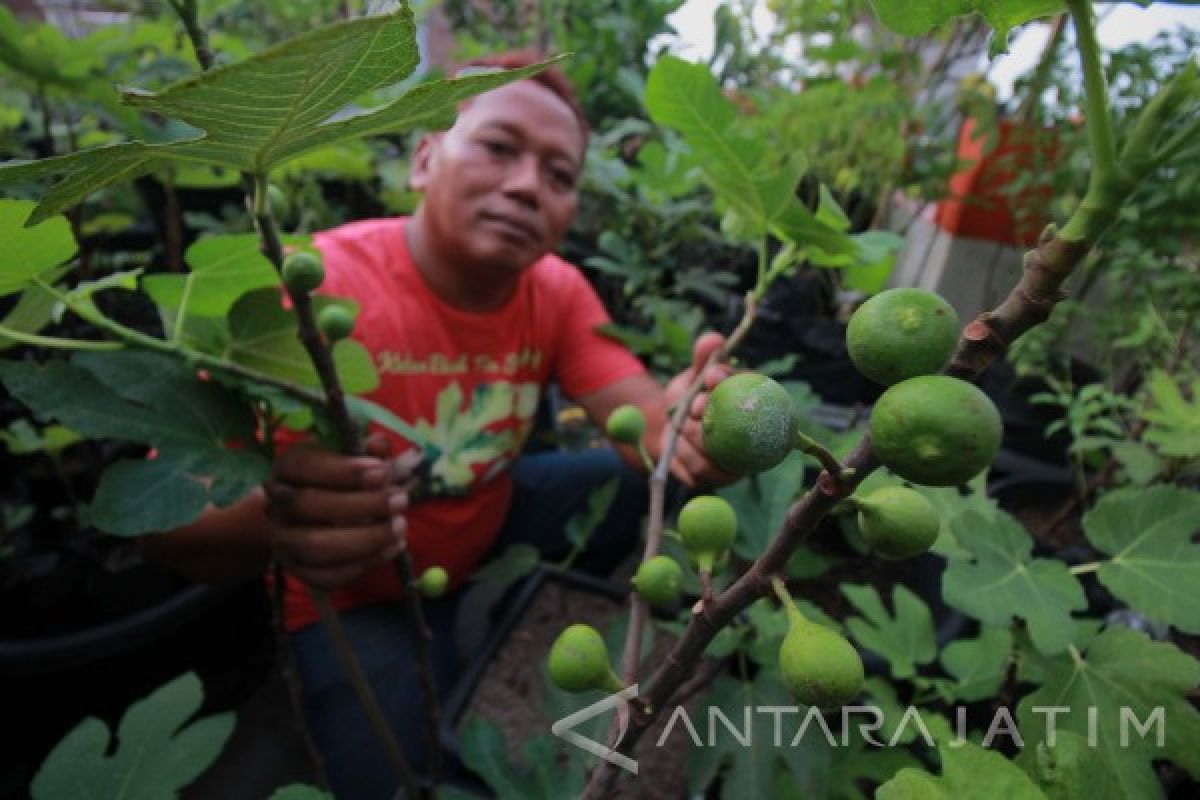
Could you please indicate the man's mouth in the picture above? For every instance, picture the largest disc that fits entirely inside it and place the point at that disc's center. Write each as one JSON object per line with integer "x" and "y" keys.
{"x": 516, "y": 228}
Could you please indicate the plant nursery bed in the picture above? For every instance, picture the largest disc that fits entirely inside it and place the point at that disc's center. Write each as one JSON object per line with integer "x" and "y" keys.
{"x": 507, "y": 685}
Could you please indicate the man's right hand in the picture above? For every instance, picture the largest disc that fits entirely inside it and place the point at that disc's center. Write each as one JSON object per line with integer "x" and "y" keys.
{"x": 335, "y": 517}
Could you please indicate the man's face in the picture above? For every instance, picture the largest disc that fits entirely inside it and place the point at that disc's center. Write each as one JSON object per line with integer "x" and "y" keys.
{"x": 500, "y": 186}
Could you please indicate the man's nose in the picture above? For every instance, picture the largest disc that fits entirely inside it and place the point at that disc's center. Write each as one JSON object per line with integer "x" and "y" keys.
{"x": 523, "y": 178}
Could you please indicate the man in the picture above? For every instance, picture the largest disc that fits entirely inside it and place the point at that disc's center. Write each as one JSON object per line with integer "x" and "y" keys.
{"x": 468, "y": 316}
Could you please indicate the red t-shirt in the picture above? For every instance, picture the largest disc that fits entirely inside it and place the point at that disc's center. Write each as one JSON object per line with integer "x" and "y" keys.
{"x": 469, "y": 383}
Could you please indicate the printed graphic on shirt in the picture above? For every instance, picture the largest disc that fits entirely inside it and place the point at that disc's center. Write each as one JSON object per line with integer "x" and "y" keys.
{"x": 462, "y": 437}
{"x": 440, "y": 364}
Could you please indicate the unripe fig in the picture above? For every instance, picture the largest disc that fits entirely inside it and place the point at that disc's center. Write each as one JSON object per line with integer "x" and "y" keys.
{"x": 820, "y": 667}
{"x": 335, "y": 322}
{"x": 749, "y": 424}
{"x": 658, "y": 580}
{"x": 707, "y": 525}
{"x": 902, "y": 333}
{"x": 935, "y": 430}
{"x": 433, "y": 582}
{"x": 303, "y": 271}
{"x": 626, "y": 425}
{"x": 897, "y": 522}
{"x": 579, "y": 661}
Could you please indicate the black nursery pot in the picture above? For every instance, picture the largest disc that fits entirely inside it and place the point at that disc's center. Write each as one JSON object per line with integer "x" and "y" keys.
{"x": 522, "y": 596}
{"x": 51, "y": 682}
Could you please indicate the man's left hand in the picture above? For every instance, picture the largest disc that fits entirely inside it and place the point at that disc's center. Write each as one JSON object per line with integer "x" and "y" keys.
{"x": 689, "y": 463}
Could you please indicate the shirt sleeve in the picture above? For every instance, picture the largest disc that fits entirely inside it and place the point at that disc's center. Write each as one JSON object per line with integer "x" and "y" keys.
{"x": 585, "y": 360}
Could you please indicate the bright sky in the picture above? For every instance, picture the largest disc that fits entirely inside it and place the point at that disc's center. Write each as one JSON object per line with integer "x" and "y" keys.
{"x": 1120, "y": 24}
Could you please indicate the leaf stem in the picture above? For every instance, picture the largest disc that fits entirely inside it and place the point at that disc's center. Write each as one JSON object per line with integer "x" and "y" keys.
{"x": 37, "y": 340}
{"x": 181, "y": 314}
{"x": 809, "y": 446}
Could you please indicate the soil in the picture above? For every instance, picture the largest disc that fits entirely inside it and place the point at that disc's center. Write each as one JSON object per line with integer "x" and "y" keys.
{"x": 512, "y": 691}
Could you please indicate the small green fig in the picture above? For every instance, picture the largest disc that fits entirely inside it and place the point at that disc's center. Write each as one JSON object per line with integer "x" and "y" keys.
{"x": 749, "y": 424}
{"x": 708, "y": 525}
{"x": 335, "y": 322}
{"x": 897, "y": 522}
{"x": 658, "y": 580}
{"x": 303, "y": 271}
{"x": 626, "y": 425}
{"x": 820, "y": 667}
{"x": 433, "y": 582}
{"x": 578, "y": 661}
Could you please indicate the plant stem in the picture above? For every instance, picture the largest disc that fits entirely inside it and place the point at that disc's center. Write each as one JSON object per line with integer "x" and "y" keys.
{"x": 186, "y": 10}
{"x": 351, "y": 444}
{"x": 1084, "y": 569}
{"x": 1107, "y": 186}
{"x": 54, "y": 341}
{"x": 809, "y": 446}
{"x": 335, "y": 402}
{"x": 1028, "y": 110}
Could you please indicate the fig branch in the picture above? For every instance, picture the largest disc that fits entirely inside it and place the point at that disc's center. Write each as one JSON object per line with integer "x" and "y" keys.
{"x": 351, "y": 443}
{"x": 1046, "y": 268}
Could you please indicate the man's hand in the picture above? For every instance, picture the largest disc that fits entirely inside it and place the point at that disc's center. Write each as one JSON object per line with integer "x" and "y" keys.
{"x": 689, "y": 463}
{"x": 335, "y": 517}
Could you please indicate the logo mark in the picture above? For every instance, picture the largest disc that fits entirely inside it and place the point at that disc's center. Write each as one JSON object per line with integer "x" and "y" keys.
{"x": 565, "y": 727}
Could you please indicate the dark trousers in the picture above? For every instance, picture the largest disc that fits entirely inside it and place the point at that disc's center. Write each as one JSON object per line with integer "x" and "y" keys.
{"x": 549, "y": 488}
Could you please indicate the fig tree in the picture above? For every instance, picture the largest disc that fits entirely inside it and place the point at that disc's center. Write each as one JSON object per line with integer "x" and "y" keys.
{"x": 902, "y": 333}
{"x": 897, "y": 522}
{"x": 578, "y": 661}
{"x": 749, "y": 424}
{"x": 707, "y": 525}
{"x": 658, "y": 580}
{"x": 935, "y": 430}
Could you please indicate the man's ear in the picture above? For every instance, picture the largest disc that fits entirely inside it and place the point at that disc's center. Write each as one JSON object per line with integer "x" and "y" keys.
{"x": 422, "y": 162}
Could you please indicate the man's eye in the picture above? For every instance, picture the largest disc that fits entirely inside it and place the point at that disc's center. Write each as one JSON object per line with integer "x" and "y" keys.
{"x": 498, "y": 148}
{"x": 564, "y": 178}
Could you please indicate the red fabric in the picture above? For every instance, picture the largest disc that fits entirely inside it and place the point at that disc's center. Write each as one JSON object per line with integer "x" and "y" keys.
{"x": 469, "y": 382}
{"x": 977, "y": 206}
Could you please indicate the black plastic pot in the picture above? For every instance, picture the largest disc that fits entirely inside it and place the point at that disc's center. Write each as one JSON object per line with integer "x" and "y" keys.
{"x": 49, "y": 684}
{"x": 520, "y": 598}
{"x": 1025, "y": 422}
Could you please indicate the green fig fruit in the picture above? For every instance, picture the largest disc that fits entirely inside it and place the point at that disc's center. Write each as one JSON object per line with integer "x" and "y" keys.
{"x": 707, "y": 525}
{"x": 303, "y": 272}
{"x": 897, "y": 522}
{"x": 749, "y": 424}
{"x": 935, "y": 430}
{"x": 626, "y": 425}
{"x": 578, "y": 661}
{"x": 433, "y": 582}
{"x": 335, "y": 322}
{"x": 902, "y": 333}
{"x": 658, "y": 580}
{"x": 820, "y": 667}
